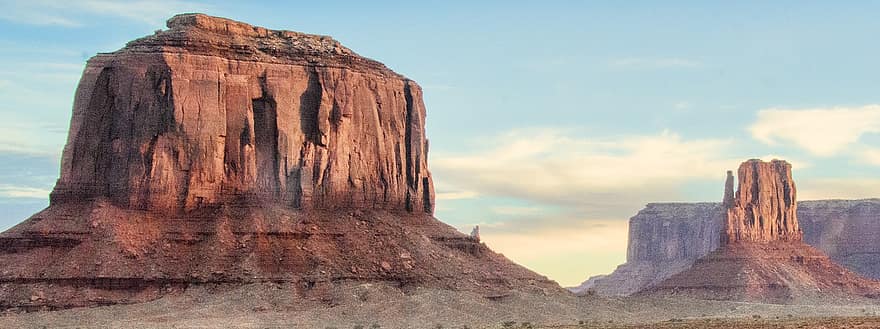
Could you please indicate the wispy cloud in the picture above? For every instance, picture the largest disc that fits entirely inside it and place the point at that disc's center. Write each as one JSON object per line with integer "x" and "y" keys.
{"x": 554, "y": 166}
{"x": 515, "y": 210}
{"x": 820, "y": 131}
{"x": 13, "y": 191}
{"x": 32, "y": 139}
{"x": 838, "y": 188}
{"x": 871, "y": 156}
{"x": 654, "y": 63}
{"x": 456, "y": 195}
{"x": 76, "y": 13}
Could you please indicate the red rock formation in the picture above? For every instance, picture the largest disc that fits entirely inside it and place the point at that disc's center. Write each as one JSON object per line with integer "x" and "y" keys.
{"x": 667, "y": 238}
{"x": 214, "y": 109}
{"x": 218, "y": 153}
{"x": 762, "y": 256}
{"x": 763, "y": 208}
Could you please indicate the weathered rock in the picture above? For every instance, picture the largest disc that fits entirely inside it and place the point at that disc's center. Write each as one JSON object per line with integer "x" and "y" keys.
{"x": 664, "y": 239}
{"x": 763, "y": 209}
{"x": 761, "y": 256}
{"x": 848, "y": 231}
{"x": 214, "y": 109}
{"x": 845, "y": 230}
{"x": 219, "y": 153}
{"x": 475, "y": 233}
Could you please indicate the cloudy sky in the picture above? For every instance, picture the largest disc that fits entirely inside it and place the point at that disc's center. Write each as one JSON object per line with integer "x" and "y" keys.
{"x": 550, "y": 123}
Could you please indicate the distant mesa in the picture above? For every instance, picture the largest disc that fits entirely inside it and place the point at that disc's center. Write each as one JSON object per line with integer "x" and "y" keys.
{"x": 216, "y": 153}
{"x": 761, "y": 256}
{"x": 667, "y": 238}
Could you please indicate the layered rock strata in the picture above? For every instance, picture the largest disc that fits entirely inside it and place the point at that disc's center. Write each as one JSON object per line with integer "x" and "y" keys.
{"x": 761, "y": 256}
{"x": 666, "y": 238}
{"x": 763, "y": 209}
{"x": 217, "y": 153}
{"x": 214, "y": 109}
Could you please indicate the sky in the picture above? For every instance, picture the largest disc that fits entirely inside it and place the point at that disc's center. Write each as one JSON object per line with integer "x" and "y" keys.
{"x": 551, "y": 123}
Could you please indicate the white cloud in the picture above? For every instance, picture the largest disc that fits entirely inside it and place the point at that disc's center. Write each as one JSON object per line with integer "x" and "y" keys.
{"x": 75, "y": 13}
{"x": 12, "y": 191}
{"x": 871, "y": 156}
{"x": 30, "y": 138}
{"x": 35, "y": 13}
{"x": 597, "y": 174}
{"x": 654, "y": 63}
{"x": 456, "y": 195}
{"x": 820, "y": 131}
{"x": 838, "y": 188}
{"x": 514, "y": 210}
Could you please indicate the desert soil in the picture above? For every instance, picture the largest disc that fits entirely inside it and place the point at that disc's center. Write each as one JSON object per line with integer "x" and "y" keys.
{"x": 755, "y": 323}
{"x": 379, "y": 306}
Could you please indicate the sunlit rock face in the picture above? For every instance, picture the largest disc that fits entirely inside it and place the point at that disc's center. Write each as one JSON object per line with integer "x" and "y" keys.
{"x": 214, "y": 109}
{"x": 763, "y": 209}
{"x": 216, "y": 154}
{"x": 762, "y": 257}
{"x": 666, "y": 238}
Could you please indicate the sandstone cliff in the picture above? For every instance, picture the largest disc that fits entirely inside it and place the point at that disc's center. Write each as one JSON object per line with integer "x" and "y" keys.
{"x": 846, "y": 230}
{"x": 763, "y": 208}
{"x": 761, "y": 256}
{"x": 213, "y": 109}
{"x": 217, "y": 153}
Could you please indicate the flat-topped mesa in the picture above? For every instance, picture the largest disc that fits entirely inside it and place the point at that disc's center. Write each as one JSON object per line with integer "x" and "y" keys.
{"x": 221, "y": 154}
{"x": 201, "y": 34}
{"x": 764, "y": 207}
{"x": 213, "y": 111}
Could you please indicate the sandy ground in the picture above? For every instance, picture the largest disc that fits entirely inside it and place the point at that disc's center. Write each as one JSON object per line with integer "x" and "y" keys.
{"x": 755, "y": 323}
{"x": 378, "y": 306}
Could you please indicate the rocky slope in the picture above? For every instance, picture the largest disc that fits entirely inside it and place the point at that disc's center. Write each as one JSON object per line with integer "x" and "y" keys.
{"x": 761, "y": 256}
{"x": 666, "y": 238}
{"x": 217, "y": 153}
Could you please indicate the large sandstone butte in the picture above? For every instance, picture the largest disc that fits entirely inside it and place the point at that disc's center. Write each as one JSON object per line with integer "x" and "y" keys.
{"x": 764, "y": 207}
{"x": 666, "y": 238}
{"x": 761, "y": 256}
{"x": 218, "y": 153}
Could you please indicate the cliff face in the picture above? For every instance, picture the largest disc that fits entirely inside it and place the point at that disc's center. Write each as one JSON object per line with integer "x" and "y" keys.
{"x": 761, "y": 256}
{"x": 669, "y": 232}
{"x": 214, "y": 109}
{"x": 846, "y": 230}
{"x": 763, "y": 209}
{"x": 218, "y": 153}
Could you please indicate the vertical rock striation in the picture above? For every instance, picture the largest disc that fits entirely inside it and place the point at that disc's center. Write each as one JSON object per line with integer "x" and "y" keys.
{"x": 763, "y": 209}
{"x": 761, "y": 256}
{"x": 219, "y": 153}
{"x": 214, "y": 109}
{"x": 846, "y": 230}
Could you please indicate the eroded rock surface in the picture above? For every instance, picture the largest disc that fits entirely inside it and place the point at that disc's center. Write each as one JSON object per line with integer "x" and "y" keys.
{"x": 214, "y": 109}
{"x": 761, "y": 256}
{"x": 763, "y": 209}
{"x": 666, "y": 238}
{"x": 218, "y": 153}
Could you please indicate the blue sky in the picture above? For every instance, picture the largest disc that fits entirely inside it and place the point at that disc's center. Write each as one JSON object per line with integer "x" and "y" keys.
{"x": 550, "y": 123}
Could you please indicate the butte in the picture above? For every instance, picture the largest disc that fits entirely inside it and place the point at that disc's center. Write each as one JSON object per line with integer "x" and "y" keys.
{"x": 762, "y": 256}
{"x": 216, "y": 153}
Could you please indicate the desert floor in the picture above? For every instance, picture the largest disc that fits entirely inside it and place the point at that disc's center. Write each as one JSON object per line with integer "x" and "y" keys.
{"x": 368, "y": 306}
